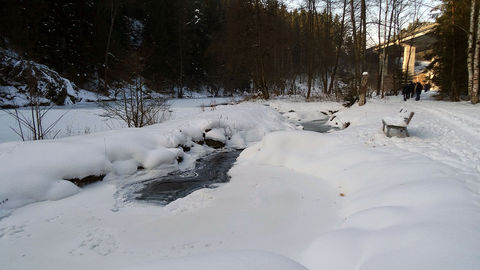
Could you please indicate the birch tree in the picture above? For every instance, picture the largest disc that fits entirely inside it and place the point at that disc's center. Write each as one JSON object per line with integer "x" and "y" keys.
{"x": 473, "y": 53}
{"x": 476, "y": 64}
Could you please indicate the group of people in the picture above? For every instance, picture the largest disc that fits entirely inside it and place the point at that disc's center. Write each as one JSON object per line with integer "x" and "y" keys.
{"x": 412, "y": 89}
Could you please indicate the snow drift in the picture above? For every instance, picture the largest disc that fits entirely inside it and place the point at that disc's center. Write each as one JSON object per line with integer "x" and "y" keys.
{"x": 394, "y": 217}
{"x": 36, "y": 171}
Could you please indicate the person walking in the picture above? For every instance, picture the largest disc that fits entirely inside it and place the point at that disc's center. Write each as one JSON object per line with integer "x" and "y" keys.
{"x": 418, "y": 90}
{"x": 412, "y": 89}
{"x": 427, "y": 87}
{"x": 406, "y": 92}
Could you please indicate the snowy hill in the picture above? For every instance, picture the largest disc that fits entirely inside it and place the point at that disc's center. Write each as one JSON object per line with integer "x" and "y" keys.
{"x": 16, "y": 74}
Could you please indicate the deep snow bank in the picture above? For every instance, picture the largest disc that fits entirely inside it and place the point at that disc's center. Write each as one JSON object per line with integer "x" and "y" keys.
{"x": 34, "y": 171}
{"x": 400, "y": 210}
{"x": 232, "y": 260}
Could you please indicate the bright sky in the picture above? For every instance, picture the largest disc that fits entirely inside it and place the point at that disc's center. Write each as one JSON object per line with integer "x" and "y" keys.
{"x": 424, "y": 12}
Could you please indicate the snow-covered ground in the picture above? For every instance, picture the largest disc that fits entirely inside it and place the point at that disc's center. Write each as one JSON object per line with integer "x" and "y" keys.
{"x": 84, "y": 118}
{"x": 350, "y": 199}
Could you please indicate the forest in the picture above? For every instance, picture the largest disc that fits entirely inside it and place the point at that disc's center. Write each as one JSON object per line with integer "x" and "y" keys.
{"x": 264, "y": 47}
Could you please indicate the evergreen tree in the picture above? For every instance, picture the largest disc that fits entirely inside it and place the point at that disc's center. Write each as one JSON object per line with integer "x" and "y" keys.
{"x": 451, "y": 49}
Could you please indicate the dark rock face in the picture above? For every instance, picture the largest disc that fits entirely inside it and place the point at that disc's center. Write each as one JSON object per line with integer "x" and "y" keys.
{"x": 185, "y": 148}
{"x": 23, "y": 78}
{"x": 202, "y": 142}
{"x": 86, "y": 180}
{"x": 214, "y": 144}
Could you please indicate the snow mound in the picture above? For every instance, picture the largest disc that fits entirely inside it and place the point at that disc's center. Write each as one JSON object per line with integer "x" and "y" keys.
{"x": 37, "y": 170}
{"x": 411, "y": 219}
{"x": 399, "y": 120}
{"x": 231, "y": 260}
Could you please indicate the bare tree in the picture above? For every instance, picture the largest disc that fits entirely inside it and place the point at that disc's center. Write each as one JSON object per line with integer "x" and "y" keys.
{"x": 310, "y": 44}
{"x": 390, "y": 6}
{"x": 359, "y": 47}
{"x": 259, "y": 49}
{"x": 338, "y": 48}
{"x": 134, "y": 105}
{"x": 115, "y": 4}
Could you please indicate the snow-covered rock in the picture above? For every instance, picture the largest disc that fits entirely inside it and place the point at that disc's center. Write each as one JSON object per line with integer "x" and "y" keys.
{"x": 18, "y": 75}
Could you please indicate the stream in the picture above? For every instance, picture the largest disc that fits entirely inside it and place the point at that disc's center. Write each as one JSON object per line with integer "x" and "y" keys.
{"x": 209, "y": 171}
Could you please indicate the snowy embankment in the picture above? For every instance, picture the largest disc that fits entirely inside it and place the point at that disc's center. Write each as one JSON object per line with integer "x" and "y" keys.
{"x": 398, "y": 209}
{"x": 351, "y": 199}
{"x": 84, "y": 118}
{"x": 36, "y": 171}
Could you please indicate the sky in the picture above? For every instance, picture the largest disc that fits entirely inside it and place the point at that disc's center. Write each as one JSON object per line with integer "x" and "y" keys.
{"x": 425, "y": 13}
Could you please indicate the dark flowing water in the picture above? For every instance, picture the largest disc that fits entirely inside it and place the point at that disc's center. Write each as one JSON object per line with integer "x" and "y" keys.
{"x": 209, "y": 171}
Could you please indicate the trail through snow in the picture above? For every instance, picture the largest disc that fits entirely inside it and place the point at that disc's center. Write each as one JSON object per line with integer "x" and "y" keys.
{"x": 445, "y": 132}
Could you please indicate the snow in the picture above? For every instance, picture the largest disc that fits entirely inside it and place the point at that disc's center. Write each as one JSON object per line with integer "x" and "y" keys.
{"x": 117, "y": 152}
{"x": 399, "y": 119}
{"x": 394, "y": 217}
{"x": 350, "y": 199}
{"x": 84, "y": 118}
{"x": 216, "y": 134}
{"x": 227, "y": 260}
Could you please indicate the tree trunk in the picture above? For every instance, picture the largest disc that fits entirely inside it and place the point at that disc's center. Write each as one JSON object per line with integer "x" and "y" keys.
{"x": 380, "y": 65}
{"x": 476, "y": 65}
{"x": 260, "y": 65}
{"x": 363, "y": 23}
{"x": 453, "y": 90}
{"x": 339, "y": 47}
{"x": 385, "y": 53}
{"x": 113, "y": 15}
{"x": 310, "y": 57}
{"x": 355, "y": 47}
{"x": 362, "y": 99}
{"x": 471, "y": 48}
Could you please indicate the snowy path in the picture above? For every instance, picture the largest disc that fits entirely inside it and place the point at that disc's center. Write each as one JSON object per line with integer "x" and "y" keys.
{"x": 411, "y": 203}
{"x": 448, "y": 133}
